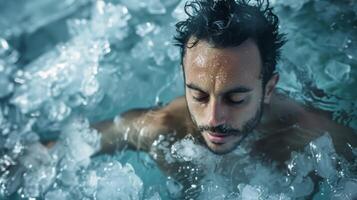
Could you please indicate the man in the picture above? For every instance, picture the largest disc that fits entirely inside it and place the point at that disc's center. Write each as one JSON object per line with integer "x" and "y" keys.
{"x": 229, "y": 52}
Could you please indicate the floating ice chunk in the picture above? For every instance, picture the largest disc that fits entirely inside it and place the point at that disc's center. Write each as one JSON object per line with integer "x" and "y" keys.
{"x": 155, "y": 7}
{"x": 214, "y": 187}
{"x": 73, "y": 64}
{"x": 155, "y": 196}
{"x": 346, "y": 190}
{"x": 81, "y": 141}
{"x": 57, "y": 195}
{"x": 145, "y": 28}
{"x": 77, "y": 26}
{"x": 29, "y": 100}
{"x": 36, "y": 155}
{"x": 90, "y": 86}
{"x": 4, "y": 46}
{"x": 6, "y": 86}
{"x": 249, "y": 192}
{"x": 296, "y": 5}
{"x": 143, "y": 50}
{"x": 134, "y": 4}
{"x": 179, "y": 12}
{"x": 38, "y": 180}
{"x": 109, "y": 20}
{"x": 300, "y": 164}
{"x": 58, "y": 111}
{"x": 324, "y": 156}
{"x": 174, "y": 187}
{"x": 281, "y": 196}
{"x": 338, "y": 71}
{"x": 111, "y": 180}
{"x": 40, "y": 170}
{"x": 301, "y": 186}
{"x": 187, "y": 150}
{"x": 7, "y": 53}
{"x": 173, "y": 53}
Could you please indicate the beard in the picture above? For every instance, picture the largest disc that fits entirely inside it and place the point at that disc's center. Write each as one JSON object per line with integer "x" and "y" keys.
{"x": 227, "y": 130}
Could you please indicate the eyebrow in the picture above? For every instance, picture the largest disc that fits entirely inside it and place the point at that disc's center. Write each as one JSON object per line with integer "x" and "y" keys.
{"x": 195, "y": 87}
{"x": 239, "y": 89}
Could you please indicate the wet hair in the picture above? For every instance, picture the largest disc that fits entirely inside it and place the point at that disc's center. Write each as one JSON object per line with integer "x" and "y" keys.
{"x": 228, "y": 23}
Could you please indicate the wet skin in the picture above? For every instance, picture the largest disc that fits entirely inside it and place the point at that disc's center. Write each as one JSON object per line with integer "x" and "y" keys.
{"x": 224, "y": 101}
{"x": 224, "y": 89}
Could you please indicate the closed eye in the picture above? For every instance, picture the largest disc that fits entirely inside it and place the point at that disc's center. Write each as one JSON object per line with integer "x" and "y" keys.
{"x": 234, "y": 99}
{"x": 235, "y": 102}
{"x": 200, "y": 98}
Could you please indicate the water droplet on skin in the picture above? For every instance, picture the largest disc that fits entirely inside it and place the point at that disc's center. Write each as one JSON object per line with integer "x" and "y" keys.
{"x": 199, "y": 61}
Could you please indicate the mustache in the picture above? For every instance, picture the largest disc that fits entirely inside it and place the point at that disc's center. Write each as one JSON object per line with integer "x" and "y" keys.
{"x": 223, "y": 129}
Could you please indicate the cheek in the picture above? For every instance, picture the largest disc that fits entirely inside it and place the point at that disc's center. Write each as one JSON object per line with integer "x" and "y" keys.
{"x": 194, "y": 108}
{"x": 244, "y": 113}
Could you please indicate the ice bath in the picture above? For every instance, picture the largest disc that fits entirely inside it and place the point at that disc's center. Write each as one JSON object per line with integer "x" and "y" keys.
{"x": 67, "y": 68}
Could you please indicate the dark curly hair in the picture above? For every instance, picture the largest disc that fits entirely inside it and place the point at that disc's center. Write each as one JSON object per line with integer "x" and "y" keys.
{"x": 228, "y": 23}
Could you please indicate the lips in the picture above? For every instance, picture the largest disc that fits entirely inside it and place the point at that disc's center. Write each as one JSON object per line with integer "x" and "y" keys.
{"x": 218, "y": 137}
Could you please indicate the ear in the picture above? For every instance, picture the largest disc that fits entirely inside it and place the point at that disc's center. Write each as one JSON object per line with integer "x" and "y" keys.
{"x": 269, "y": 87}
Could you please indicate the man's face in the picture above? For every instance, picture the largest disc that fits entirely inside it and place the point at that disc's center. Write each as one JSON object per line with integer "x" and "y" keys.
{"x": 224, "y": 92}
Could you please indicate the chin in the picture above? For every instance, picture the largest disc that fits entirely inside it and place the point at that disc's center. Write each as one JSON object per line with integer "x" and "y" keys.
{"x": 221, "y": 149}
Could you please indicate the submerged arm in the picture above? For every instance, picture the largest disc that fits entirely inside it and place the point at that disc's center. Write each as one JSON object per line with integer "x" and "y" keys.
{"x": 343, "y": 137}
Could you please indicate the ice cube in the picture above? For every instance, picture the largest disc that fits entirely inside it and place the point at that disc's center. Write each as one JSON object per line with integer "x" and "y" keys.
{"x": 57, "y": 195}
{"x": 301, "y": 186}
{"x": 155, "y": 7}
{"x": 324, "y": 156}
{"x": 338, "y": 71}
{"x": 80, "y": 140}
{"x": 174, "y": 187}
{"x": 173, "y": 53}
{"x": 6, "y": 86}
{"x": 114, "y": 181}
{"x": 134, "y": 4}
{"x": 249, "y": 192}
{"x": 145, "y": 28}
{"x": 346, "y": 190}
{"x": 58, "y": 111}
{"x": 179, "y": 12}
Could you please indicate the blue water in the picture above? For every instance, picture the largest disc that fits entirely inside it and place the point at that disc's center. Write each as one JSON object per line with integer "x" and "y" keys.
{"x": 65, "y": 64}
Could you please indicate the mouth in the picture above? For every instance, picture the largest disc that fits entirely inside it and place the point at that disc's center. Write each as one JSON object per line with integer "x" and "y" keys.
{"x": 218, "y": 138}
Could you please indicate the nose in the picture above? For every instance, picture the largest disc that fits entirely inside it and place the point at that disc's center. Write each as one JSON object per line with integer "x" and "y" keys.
{"x": 216, "y": 113}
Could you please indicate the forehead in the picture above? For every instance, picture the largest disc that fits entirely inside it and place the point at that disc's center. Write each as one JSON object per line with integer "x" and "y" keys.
{"x": 207, "y": 65}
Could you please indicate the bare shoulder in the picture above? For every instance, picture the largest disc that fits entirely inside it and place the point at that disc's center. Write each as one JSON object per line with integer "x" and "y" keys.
{"x": 295, "y": 125}
{"x": 139, "y": 128}
{"x": 177, "y": 117}
{"x": 172, "y": 118}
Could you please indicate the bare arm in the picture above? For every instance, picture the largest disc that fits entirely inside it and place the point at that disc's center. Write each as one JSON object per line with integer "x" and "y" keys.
{"x": 137, "y": 129}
